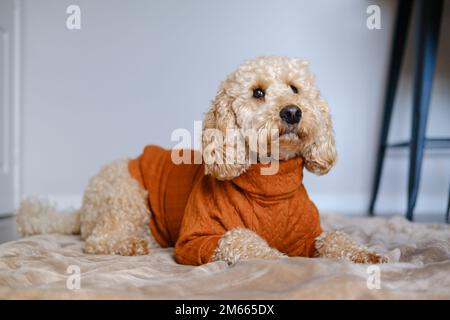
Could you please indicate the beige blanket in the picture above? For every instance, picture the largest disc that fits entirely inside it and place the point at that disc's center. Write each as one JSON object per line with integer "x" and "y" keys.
{"x": 46, "y": 267}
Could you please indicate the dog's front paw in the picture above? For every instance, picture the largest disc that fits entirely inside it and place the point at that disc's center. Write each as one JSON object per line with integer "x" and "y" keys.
{"x": 337, "y": 244}
{"x": 242, "y": 244}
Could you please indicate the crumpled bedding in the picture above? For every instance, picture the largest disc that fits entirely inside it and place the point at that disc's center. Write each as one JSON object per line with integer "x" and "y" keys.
{"x": 37, "y": 268}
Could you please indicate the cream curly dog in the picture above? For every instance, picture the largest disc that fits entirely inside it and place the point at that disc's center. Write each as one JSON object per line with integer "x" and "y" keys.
{"x": 264, "y": 93}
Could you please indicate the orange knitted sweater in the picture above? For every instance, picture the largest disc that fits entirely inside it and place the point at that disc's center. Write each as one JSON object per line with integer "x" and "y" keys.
{"x": 191, "y": 211}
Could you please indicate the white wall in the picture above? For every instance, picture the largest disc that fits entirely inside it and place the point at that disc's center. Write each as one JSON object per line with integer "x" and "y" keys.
{"x": 139, "y": 69}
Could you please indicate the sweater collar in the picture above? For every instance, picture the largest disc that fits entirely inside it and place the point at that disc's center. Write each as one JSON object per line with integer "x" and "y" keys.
{"x": 282, "y": 184}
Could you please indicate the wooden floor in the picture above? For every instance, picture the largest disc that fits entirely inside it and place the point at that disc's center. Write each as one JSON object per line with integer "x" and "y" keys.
{"x": 8, "y": 225}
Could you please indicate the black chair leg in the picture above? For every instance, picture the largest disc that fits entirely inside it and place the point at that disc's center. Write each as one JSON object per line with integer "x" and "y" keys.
{"x": 428, "y": 24}
{"x": 399, "y": 42}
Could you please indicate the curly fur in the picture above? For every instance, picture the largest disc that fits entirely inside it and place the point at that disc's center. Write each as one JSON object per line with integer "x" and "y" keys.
{"x": 234, "y": 107}
{"x": 113, "y": 218}
{"x": 30, "y": 221}
{"x": 339, "y": 245}
{"x": 114, "y": 215}
{"x": 242, "y": 244}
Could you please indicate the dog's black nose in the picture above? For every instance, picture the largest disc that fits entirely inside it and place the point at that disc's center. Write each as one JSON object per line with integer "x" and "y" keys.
{"x": 291, "y": 114}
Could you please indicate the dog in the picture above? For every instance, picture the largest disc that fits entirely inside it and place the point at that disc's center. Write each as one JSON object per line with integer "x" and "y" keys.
{"x": 219, "y": 210}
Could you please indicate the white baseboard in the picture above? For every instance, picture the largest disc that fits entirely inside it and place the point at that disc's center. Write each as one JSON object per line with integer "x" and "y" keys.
{"x": 66, "y": 201}
{"x": 353, "y": 204}
{"x": 62, "y": 201}
{"x": 386, "y": 204}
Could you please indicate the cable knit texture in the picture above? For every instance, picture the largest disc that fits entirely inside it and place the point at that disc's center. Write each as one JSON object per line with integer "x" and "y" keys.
{"x": 192, "y": 211}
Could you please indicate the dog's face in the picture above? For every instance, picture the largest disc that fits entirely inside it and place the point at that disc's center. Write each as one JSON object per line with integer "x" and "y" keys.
{"x": 273, "y": 93}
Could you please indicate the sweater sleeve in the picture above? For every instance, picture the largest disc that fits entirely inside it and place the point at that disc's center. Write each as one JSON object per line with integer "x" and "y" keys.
{"x": 201, "y": 227}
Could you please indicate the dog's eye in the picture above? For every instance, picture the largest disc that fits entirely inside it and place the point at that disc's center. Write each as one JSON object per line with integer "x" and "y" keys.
{"x": 258, "y": 93}
{"x": 294, "y": 89}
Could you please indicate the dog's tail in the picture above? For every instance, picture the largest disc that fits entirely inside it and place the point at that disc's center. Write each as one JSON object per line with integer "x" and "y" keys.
{"x": 38, "y": 216}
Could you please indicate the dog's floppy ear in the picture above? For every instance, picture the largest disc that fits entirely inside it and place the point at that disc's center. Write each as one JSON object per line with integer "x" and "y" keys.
{"x": 222, "y": 162}
{"x": 320, "y": 153}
